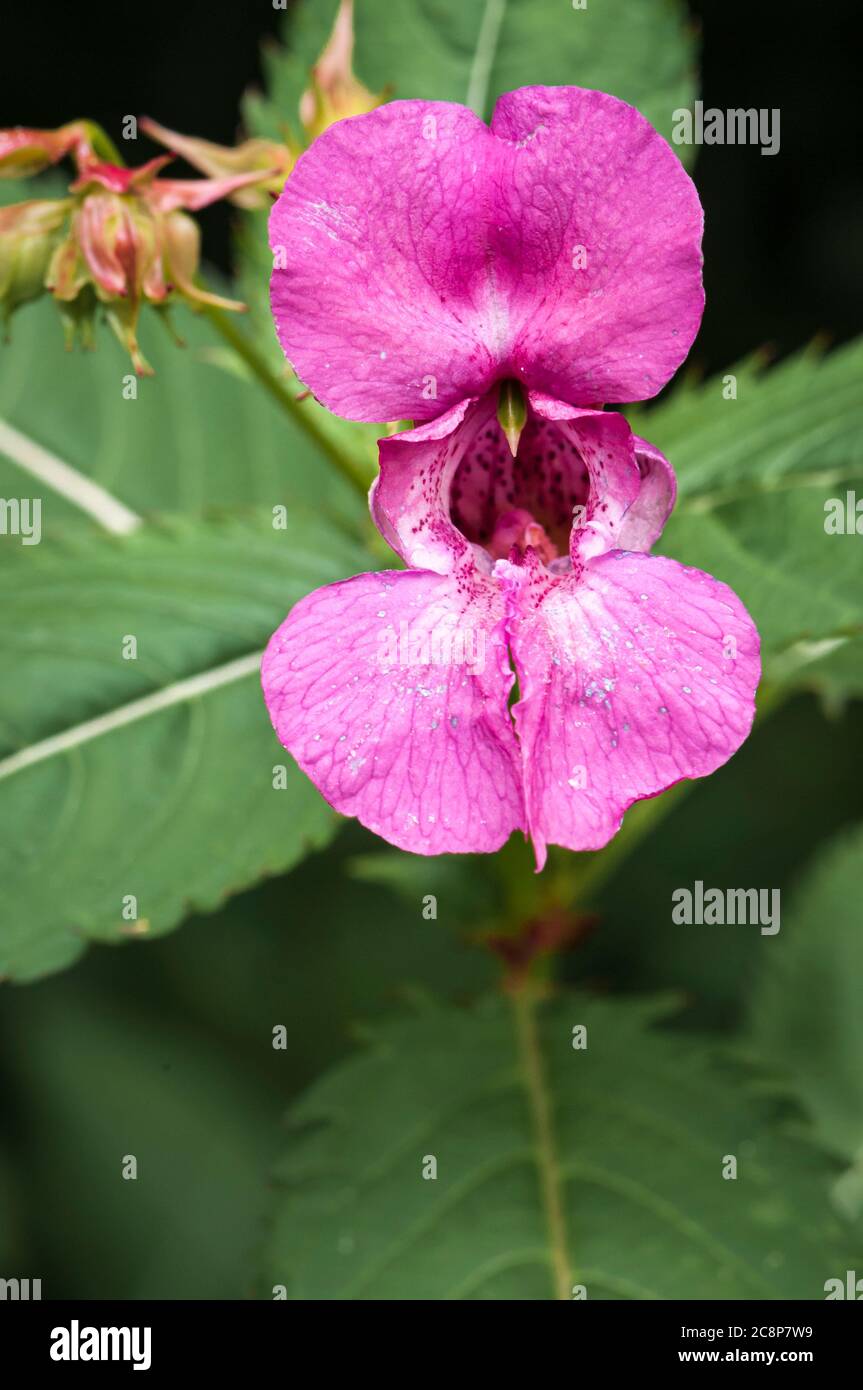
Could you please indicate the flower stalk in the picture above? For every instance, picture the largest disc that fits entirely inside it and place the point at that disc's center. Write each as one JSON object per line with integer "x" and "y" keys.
{"x": 305, "y": 413}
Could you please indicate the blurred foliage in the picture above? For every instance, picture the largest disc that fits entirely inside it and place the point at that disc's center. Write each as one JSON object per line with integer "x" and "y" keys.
{"x": 805, "y": 1018}
{"x": 166, "y": 1052}
{"x": 449, "y": 50}
{"x": 643, "y": 1126}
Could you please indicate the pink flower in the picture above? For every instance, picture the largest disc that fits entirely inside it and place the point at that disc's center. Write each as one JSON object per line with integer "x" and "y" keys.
{"x": 460, "y": 276}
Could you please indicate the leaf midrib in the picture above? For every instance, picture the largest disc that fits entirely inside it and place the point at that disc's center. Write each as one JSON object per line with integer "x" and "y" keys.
{"x": 190, "y": 688}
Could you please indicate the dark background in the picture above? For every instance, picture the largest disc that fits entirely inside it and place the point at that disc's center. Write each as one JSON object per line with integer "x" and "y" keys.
{"x": 784, "y": 233}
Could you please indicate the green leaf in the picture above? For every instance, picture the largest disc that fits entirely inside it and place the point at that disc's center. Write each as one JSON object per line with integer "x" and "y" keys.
{"x": 755, "y": 475}
{"x": 805, "y": 1018}
{"x": 199, "y": 435}
{"x": 556, "y": 1167}
{"x": 797, "y": 420}
{"x": 149, "y": 777}
{"x": 833, "y": 669}
{"x": 449, "y": 50}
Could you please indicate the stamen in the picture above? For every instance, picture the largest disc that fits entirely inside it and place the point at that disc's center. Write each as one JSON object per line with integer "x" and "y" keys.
{"x": 517, "y": 528}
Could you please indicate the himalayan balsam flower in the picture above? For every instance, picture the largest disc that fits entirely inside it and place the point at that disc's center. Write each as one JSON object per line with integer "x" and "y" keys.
{"x": 497, "y": 285}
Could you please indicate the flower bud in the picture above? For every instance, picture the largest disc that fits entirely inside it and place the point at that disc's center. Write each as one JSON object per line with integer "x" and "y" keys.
{"x": 268, "y": 158}
{"x": 335, "y": 92}
{"x": 118, "y": 242}
{"x": 29, "y": 232}
{"x": 110, "y": 256}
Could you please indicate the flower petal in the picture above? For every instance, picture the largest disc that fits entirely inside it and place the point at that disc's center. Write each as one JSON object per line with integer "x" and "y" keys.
{"x": 632, "y": 485}
{"x": 168, "y": 194}
{"x": 642, "y": 673}
{"x": 270, "y": 158}
{"x": 27, "y": 151}
{"x": 603, "y": 446}
{"x": 378, "y": 251}
{"x": 117, "y": 179}
{"x": 420, "y": 256}
{"x": 644, "y": 522}
{"x": 608, "y": 296}
{"x": 410, "y": 497}
{"x": 580, "y": 473}
{"x": 390, "y": 690}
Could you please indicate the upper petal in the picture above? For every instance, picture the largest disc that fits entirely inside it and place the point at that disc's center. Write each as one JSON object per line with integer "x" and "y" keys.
{"x": 640, "y": 674}
{"x": 390, "y": 690}
{"x": 609, "y": 295}
{"x": 378, "y": 253}
{"x": 419, "y": 256}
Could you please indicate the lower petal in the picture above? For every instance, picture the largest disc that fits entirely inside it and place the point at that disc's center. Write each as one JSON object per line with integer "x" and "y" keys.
{"x": 642, "y": 673}
{"x": 390, "y": 691}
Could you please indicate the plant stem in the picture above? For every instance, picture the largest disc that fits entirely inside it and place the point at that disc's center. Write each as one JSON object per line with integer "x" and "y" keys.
{"x": 530, "y": 1054}
{"x": 304, "y": 414}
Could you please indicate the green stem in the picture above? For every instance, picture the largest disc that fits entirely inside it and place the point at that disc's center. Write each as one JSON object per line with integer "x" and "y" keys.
{"x": 303, "y": 413}
{"x": 551, "y": 1186}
